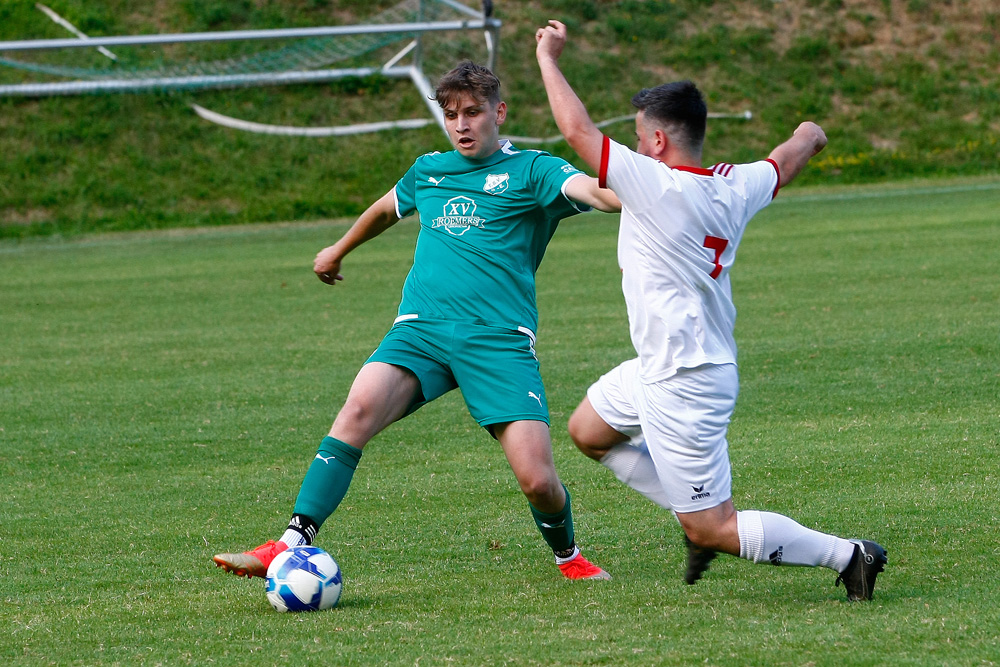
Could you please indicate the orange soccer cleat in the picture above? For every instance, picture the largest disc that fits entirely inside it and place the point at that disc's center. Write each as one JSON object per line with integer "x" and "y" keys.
{"x": 250, "y": 563}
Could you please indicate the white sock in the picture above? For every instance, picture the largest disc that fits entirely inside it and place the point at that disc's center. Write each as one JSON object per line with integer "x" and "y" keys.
{"x": 632, "y": 465}
{"x": 293, "y": 538}
{"x": 576, "y": 552}
{"x": 766, "y": 536}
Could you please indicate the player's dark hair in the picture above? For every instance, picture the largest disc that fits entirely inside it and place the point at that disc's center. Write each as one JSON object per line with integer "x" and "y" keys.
{"x": 677, "y": 107}
{"x": 468, "y": 78}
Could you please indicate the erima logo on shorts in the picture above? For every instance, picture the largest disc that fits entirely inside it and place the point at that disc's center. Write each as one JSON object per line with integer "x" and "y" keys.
{"x": 496, "y": 183}
{"x": 459, "y": 215}
{"x": 775, "y": 556}
{"x": 700, "y": 492}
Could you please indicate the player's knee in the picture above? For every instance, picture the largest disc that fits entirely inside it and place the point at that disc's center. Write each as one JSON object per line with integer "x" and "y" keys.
{"x": 576, "y": 431}
{"x": 353, "y": 412}
{"x": 591, "y": 450}
{"x": 712, "y": 529}
{"x": 542, "y": 492}
{"x": 583, "y": 438}
{"x": 356, "y": 422}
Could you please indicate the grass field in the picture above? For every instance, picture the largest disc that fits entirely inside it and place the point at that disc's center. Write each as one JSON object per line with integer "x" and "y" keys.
{"x": 161, "y": 395}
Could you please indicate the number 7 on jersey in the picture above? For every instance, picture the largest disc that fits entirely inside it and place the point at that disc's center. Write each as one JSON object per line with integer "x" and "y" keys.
{"x": 719, "y": 246}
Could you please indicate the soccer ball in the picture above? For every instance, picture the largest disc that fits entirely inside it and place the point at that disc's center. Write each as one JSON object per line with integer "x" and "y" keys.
{"x": 303, "y": 578}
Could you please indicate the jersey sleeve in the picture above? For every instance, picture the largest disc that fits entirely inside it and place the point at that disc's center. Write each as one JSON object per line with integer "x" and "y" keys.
{"x": 406, "y": 193}
{"x": 761, "y": 183}
{"x": 626, "y": 173}
{"x": 549, "y": 176}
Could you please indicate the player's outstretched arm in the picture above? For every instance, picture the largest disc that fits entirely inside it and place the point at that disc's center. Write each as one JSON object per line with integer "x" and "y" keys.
{"x": 586, "y": 190}
{"x": 793, "y": 155}
{"x": 377, "y": 218}
{"x": 571, "y": 116}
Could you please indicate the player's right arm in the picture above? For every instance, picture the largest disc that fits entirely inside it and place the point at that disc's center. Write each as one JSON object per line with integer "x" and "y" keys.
{"x": 793, "y": 155}
{"x": 377, "y": 218}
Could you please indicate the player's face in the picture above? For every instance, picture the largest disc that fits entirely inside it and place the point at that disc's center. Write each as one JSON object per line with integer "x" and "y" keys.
{"x": 474, "y": 126}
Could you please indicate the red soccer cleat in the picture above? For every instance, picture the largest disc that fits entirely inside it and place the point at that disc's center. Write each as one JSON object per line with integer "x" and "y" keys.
{"x": 581, "y": 568}
{"x": 250, "y": 563}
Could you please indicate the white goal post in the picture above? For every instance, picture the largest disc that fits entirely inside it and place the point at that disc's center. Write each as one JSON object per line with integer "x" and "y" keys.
{"x": 468, "y": 19}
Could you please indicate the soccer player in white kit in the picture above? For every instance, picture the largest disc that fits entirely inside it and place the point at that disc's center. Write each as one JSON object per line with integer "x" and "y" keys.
{"x": 659, "y": 421}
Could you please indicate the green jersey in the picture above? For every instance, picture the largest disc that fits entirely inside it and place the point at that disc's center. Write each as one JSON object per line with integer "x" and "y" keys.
{"x": 484, "y": 227}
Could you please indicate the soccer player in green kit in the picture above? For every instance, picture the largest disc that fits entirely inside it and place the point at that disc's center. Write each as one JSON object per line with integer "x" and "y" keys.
{"x": 467, "y": 317}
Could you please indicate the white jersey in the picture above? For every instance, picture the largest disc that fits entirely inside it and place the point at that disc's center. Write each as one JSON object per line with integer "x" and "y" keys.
{"x": 680, "y": 228}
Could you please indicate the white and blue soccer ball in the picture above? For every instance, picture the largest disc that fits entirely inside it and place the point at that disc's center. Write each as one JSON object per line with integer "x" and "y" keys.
{"x": 303, "y": 578}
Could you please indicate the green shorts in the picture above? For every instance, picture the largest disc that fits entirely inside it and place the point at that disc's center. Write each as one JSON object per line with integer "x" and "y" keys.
{"x": 495, "y": 368}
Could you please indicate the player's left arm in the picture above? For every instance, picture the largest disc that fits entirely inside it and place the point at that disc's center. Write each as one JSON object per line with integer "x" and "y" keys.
{"x": 571, "y": 116}
{"x": 794, "y": 154}
{"x": 585, "y": 190}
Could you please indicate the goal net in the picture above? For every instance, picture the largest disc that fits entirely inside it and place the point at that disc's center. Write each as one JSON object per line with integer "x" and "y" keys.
{"x": 391, "y": 44}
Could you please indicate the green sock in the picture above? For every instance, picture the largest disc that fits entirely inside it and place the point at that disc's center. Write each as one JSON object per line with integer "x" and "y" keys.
{"x": 556, "y": 529}
{"x": 327, "y": 479}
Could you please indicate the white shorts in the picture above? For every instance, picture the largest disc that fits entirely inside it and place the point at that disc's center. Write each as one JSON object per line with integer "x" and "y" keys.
{"x": 683, "y": 420}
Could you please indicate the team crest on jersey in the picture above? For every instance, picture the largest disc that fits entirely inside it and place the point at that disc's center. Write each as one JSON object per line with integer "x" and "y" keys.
{"x": 496, "y": 183}
{"x": 459, "y": 215}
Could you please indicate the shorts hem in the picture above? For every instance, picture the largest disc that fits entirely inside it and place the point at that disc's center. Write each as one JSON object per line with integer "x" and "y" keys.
{"x": 701, "y": 507}
{"x": 493, "y": 421}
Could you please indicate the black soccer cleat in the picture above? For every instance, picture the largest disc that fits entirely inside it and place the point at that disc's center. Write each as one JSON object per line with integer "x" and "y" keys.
{"x": 698, "y": 561}
{"x": 859, "y": 578}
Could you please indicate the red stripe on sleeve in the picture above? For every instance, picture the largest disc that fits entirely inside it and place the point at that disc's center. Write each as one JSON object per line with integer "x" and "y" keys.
{"x": 777, "y": 171}
{"x": 602, "y": 174}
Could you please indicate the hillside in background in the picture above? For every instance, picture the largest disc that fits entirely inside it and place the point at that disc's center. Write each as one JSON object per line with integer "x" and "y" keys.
{"x": 904, "y": 88}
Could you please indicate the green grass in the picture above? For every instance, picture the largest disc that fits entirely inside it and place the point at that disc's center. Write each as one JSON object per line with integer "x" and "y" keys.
{"x": 161, "y": 395}
{"x": 904, "y": 90}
